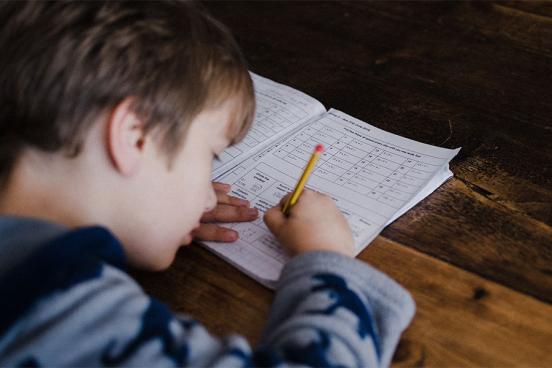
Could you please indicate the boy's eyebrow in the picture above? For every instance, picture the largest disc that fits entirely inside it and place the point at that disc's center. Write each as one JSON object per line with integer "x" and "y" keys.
{"x": 240, "y": 119}
{"x": 238, "y": 126}
{"x": 233, "y": 129}
{"x": 230, "y": 138}
{"x": 226, "y": 138}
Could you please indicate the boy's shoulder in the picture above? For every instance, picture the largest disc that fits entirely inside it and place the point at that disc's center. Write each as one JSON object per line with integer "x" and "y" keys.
{"x": 28, "y": 241}
{"x": 22, "y": 236}
{"x": 39, "y": 259}
{"x": 70, "y": 289}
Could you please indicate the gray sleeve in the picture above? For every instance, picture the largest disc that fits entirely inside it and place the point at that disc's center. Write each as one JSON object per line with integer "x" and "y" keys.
{"x": 333, "y": 310}
{"x": 329, "y": 310}
{"x": 107, "y": 320}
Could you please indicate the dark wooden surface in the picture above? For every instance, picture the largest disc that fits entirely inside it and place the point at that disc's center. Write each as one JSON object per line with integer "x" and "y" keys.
{"x": 477, "y": 253}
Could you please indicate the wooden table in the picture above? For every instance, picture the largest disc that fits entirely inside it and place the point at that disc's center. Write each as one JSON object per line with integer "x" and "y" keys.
{"x": 476, "y": 254}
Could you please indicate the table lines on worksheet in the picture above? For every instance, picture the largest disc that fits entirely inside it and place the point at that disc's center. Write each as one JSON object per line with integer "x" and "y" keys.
{"x": 264, "y": 191}
{"x": 380, "y": 174}
{"x": 271, "y": 118}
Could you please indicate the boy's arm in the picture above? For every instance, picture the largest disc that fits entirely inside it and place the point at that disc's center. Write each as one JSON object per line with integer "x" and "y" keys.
{"x": 350, "y": 288}
{"x": 94, "y": 314}
{"x": 331, "y": 310}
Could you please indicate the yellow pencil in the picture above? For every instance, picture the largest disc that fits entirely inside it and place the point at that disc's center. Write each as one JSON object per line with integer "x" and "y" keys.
{"x": 303, "y": 180}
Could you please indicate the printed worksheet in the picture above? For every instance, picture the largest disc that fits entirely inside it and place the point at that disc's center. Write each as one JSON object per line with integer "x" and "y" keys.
{"x": 373, "y": 176}
{"x": 280, "y": 110}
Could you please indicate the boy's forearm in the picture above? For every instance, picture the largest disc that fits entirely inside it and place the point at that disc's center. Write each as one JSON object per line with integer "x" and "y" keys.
{"x": 340, "y": 308}
{"x": 329, "y": 310}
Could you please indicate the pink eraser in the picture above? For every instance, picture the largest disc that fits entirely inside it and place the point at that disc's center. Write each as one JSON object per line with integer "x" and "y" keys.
{"x": 319, "y": 148}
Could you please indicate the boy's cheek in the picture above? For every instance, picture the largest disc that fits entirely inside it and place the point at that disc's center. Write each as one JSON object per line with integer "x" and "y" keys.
{"x": 157, "y": 261}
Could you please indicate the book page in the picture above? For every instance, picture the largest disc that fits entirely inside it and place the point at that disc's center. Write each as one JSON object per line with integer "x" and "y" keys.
{"x": 373, "y": 176}
{"x": 280, "y": 109}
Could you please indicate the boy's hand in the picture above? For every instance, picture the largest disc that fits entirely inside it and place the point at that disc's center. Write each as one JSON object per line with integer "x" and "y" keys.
{"x": 314, "y": 223}
{"x": 228, "y": 209}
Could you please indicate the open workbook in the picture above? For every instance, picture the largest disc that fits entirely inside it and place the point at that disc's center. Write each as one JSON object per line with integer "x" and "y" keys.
{"x": 373, "y": 176}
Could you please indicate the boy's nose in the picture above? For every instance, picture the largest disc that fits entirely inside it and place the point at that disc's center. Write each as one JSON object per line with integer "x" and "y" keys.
{"x": 211, "y": 200}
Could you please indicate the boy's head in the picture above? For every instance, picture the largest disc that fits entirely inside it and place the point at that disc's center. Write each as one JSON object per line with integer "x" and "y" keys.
{"x": 134, "y": 98}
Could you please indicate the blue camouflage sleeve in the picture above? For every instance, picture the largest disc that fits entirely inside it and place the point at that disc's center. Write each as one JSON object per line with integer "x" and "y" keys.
{"x": 331, "y": 310}
{"x": 81, "y": 309}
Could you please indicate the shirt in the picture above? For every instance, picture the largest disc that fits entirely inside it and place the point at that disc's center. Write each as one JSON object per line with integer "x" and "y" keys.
{"x": 67, "y": 301}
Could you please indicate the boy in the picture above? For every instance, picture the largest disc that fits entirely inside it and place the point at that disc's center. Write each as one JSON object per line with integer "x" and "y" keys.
{"x": 111, "y": 115}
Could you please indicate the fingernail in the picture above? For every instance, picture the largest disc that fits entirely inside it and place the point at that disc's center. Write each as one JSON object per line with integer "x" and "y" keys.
{"x": 244, "y": 203}
{"x": 252, "y": 211}
{"x": 231, "y": 236}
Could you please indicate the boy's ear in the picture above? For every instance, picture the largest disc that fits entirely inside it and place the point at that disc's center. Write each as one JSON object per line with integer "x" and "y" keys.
{"x": 125, "y": 138}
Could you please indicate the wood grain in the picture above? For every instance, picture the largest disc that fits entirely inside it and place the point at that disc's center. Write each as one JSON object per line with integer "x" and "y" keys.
{"x": 463, "y": 319}
{"x": 467, "y": 229}
{"x": 474, "y": 75}
{"x": 477, "y": 253}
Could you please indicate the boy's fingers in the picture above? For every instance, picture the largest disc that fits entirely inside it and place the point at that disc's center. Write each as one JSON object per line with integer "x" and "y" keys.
{"x": 284, "y": 200}
{"x": 306, "y": 196}
{"x": 223, "y": 198}
{"x": 221, "y": 187}
{"x": 213, "y": 232}
{"x": 227, "y": 213}
{"x": 274, "y": 219}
